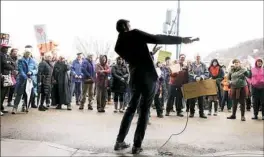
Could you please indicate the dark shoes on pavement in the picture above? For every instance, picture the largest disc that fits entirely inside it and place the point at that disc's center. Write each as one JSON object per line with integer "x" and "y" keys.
{"x": 42, "y": 108}
{"x": 101, "y": 110}
{"x": 90, "y": 107}
{"x": 256, "y": 117}
{"x": 231, "y": 117}
{"x": 180, "y": 114}
{"x": 121, "y": 146}
{"x": 203, "y": 116}
{"x": 160, "y": 116}
{"x": 34, "y": 106}
{"x": 136, "y": 150}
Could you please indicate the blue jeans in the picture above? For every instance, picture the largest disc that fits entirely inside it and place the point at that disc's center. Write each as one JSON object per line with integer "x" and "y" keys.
{"x": 76, "y": 87}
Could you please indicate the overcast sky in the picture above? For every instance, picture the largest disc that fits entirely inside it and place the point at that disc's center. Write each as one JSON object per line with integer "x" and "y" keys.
{"x": 218, "y": 24}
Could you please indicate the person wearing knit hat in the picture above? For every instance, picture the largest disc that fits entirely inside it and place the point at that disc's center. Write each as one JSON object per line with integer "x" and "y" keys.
{"x": 239, "y": 89}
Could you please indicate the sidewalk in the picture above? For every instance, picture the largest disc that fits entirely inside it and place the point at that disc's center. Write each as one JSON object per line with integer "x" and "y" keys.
{"x": 12, "y": 147}
{"x": 39, "y": 148}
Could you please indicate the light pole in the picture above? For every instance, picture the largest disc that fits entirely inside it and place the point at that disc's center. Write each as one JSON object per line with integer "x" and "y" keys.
{"x": 170, "y": 23}
{"x": 178, "y": 47}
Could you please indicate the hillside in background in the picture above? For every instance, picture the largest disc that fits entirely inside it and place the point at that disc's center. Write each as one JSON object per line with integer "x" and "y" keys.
{"x": 241, "y": 51}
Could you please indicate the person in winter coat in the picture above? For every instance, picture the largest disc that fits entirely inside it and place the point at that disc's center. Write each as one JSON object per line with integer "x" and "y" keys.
{"x": 89, "y": 77}
{"x": 7, "y": 66}
{"x": 77, "y": 77}
{"x": 237, "y": 80}
{"x": 27, "y": 69}
{"x": 61, "y": 93}
{"x": 102, "y": 71}
{"x": 176, "y": 82}
{"x": 109, "y": 83}
{"x": 198, "y": 71}
{"x": 44, "y": 81}
{"x": 257, "y": 82}
{"x": 120, "y": 81}
{"x": 167, "y": 78}
{"x": 14, "y": 73}
{"x": 159, "y": 91}
{"x": 226, "y": 90}
{"x": 216, "y": 73}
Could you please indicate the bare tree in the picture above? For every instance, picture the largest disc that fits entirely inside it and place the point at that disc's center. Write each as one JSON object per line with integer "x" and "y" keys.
{"x": 94, "y": 46}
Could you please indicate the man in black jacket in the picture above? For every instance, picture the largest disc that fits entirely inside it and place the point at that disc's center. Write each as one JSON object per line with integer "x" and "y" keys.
{"x": 132, "y": 46}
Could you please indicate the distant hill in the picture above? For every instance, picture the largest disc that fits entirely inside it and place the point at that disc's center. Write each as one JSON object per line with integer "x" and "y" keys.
{"x": 240, "y": 51}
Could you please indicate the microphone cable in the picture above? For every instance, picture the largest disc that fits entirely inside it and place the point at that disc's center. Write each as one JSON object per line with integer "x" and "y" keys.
{"x": 168, "y": 153}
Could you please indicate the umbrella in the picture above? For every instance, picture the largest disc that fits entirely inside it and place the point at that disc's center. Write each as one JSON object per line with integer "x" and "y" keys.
{"x": 29, "y": 87}
{"x": 39, "y": 95}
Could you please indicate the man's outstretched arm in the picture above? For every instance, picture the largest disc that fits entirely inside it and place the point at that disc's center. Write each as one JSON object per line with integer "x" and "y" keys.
{"x": 161, "y": 39}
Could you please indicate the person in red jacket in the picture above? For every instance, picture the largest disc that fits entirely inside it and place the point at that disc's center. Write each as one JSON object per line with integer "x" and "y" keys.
{"x": 102, "y": 70}
{"x": 175, "y": 84}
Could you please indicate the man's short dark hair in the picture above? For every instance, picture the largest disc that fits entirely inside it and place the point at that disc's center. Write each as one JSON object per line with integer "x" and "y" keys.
{"x": 167, "y": 58}
{"x": 14, "y": 49}
{"x": 121, "y": 25}
{"x": 28, "y": 46}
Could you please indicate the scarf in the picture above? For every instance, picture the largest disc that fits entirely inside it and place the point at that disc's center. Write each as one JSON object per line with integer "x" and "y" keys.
{"x": 214, "y": 70}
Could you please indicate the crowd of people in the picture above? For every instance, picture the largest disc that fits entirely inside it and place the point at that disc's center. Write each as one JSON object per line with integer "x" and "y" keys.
{"x": 56, "y": 81}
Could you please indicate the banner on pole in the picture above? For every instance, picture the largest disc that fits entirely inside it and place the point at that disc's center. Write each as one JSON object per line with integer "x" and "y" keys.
{"x": 162, "y": 55}
{"x": 41, "y": 34}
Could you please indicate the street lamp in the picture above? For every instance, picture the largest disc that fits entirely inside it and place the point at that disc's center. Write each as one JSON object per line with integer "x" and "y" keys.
{"x": 170, "y": 23}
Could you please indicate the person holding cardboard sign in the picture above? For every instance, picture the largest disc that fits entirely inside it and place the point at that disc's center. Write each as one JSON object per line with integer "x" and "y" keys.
{"x": 198, "y": 71}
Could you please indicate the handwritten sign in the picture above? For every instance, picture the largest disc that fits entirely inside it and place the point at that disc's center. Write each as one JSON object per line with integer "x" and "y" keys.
{"x": 201, "y": 88}
{"x": 41, "y": 34}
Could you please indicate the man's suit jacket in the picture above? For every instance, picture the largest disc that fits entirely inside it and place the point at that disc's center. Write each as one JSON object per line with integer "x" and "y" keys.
{"x": 132, "y": 46}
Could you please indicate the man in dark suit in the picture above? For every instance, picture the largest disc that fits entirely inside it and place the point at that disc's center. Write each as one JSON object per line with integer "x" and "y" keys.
{"x": 132, "y": 46}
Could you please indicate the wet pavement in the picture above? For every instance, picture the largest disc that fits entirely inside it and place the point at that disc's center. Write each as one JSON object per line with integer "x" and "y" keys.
{"x": 96, "y": 132}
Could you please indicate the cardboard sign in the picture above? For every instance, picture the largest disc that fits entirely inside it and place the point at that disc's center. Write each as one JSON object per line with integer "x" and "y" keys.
{"x": 201, "y": 88}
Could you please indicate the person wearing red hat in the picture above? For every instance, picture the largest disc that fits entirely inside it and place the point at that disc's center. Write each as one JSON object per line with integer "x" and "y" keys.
{"x": 7, "y": 66}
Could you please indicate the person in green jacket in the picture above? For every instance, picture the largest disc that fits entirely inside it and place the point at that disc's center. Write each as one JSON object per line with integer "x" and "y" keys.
{"x": 237, "y": 79}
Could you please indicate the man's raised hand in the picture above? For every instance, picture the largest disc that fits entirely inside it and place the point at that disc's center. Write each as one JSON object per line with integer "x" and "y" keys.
{"x": 156, "y": 49}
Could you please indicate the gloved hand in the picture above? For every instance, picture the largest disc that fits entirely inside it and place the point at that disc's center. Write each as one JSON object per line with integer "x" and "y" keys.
{"x": 198, "y": 79}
